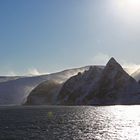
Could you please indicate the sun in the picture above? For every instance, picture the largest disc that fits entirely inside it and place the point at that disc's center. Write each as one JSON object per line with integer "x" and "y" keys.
{"x": 127, "y": 9}
{"x": 129, "y": 5}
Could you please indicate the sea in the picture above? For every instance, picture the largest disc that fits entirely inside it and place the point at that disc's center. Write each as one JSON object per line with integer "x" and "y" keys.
{"x": 70, "y": 123}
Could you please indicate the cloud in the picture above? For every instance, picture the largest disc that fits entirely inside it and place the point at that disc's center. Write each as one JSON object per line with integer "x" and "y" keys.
{"x": 100, "y": 59}
{"x": 29, "y": 72}
{"x": 11, "y": 73}
{"x": 34, "y": 72}
{"x": 131, "y": 67}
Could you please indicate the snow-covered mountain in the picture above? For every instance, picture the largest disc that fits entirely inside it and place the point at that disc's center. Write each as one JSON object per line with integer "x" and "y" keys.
{"x": 136, "y": 75}
{"x": 109, "y": 86}
{"x": 8, "y": 78}
{"x": 96, "y": 86}
{"x": 14, "y": 90}
{"x": 44, "y": 93}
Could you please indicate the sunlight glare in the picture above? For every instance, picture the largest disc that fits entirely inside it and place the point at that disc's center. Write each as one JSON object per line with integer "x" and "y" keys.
{"x": 128, "y": 10}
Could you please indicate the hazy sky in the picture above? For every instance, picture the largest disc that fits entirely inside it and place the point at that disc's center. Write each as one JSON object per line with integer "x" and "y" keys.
{"x": 52, "y": 35}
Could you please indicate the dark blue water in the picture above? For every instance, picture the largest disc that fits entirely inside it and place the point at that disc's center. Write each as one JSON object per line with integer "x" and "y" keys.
{"x": 70, "y": 123}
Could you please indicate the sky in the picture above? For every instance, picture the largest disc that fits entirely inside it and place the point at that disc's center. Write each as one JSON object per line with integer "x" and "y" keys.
{"x": 45, "y": 36}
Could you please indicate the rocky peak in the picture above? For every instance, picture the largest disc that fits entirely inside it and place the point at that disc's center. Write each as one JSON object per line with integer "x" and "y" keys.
{"x": 92, "y": 73}
{"x": 114, "y": 71}
{"x": 113, "y": 64}
{"x": 112, "y": 59}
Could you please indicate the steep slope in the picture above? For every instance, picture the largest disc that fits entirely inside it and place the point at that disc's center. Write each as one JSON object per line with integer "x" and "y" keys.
{"x": 45, "y": 93}
{"x": 77, "y": 87}
{"x": 16, "y": 91}
{"x": 109, "y": 86}
{"x": 42, "y": 89}
{"x": 136, "y": 75}
{"x": 115, "y": 86}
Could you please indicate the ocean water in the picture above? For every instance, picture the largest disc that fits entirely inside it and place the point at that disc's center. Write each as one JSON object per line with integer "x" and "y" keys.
{"x": 70, "y": 123}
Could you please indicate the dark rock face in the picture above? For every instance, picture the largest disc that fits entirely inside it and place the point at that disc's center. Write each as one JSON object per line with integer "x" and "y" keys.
{"x": 115, "y": 86}
{"x": 75, "y": 89}
{"x": 101, "y": 87}
{"x": 45, "y": 93}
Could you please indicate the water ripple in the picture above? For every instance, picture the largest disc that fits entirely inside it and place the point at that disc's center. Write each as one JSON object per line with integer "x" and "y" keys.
{"x": 70, "y": 123}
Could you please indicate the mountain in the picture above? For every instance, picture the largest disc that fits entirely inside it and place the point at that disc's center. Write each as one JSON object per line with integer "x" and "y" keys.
{"x": 77, "y": 87}
{"x": 41, "y": 94}
{"x": 136, "y": 75}
{"x": 102, "y": 87}
{"x": 107, "y": 85}
{"x": 44, "y": 93}
{"x": 14, "y": 90}
{"x": 8, "y": 78}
